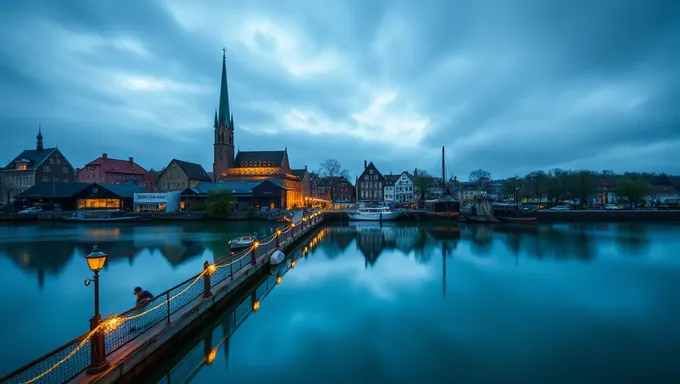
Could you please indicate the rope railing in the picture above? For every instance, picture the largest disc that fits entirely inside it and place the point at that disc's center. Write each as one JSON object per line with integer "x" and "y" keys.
{"x": 119, "y": 330}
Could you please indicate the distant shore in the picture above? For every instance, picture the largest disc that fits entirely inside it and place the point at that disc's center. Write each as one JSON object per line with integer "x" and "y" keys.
{"x": 544, "y": 216}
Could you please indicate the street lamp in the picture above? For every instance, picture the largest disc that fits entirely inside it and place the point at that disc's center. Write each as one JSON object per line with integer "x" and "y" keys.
{"x": 96, "y": 260}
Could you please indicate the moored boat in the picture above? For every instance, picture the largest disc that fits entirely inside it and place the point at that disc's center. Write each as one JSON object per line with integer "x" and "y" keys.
{"x": 373, "y": 214}
{"x": 82, "y": 217}
{"x": 447, "y": 205}
{"x": 277, "y": 257}
{"x": 241, "y": 242}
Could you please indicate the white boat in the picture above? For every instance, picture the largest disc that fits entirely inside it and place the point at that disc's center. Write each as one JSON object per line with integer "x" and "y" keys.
{"x": 373, "y": 214}
{"x": 241, "y": 242}
{"x": 277, "y": 257}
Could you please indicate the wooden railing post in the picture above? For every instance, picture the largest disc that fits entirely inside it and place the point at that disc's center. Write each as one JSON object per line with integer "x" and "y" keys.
{"x": 167, "y": 306}
{"x": 206, "y": 280}
{"x": 253, "y": 257}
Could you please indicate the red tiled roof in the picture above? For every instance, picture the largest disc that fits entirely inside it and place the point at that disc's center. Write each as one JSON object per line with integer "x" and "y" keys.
{"x": 110, "y": 165}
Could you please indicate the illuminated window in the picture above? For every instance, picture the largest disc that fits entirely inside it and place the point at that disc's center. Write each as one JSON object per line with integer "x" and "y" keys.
{"x": 98, "y": 204}
{"x": 22, "y": 167}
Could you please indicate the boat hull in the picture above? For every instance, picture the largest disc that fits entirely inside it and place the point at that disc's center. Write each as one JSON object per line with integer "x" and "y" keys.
{"x": 445, "y": 214}
{"x": 102, "y": 219}
{"x": 374, "y": 216}
{"x": 528, "y": 219}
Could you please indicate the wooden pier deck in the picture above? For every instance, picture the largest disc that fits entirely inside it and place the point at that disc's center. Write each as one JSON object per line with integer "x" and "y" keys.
{"x": 132, "y": 337}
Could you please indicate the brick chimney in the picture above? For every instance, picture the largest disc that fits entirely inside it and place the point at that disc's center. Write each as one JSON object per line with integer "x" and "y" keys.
{"x": 105, "y": 156}
{"x": 365, "y": 164}
{"x": 132, "y": 160}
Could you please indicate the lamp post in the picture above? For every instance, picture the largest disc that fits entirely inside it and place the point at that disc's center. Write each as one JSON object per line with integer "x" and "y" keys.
{"x": 96, "y": 260}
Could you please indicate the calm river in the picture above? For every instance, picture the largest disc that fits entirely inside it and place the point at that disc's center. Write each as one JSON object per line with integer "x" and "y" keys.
{"x": 485, "y": 304}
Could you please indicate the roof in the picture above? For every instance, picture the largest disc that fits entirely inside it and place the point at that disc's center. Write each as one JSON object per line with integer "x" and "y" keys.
{"x": 259, "y": 159}
{"x": 234, "y": 187}
{"x": 110, "y": 165}
{"x": 192, "y": 170}
{"x": 53, "y": 190}
{"x": 299, "y": 172}
{"x": 390, "y": 180}
{"x": 125, "y": 189}
{"x": 665, "y": 190}
{"x": 370, "y": 167}
{"x": 34, "y": 157}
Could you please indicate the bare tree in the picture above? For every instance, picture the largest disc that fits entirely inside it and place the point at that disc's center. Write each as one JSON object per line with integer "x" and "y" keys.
{"x": 423, "y": 182}
{"x": 332, "y": 173}
{"x": 481, "y": 178}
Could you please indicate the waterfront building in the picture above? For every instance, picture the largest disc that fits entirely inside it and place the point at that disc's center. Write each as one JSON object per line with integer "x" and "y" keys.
{"x": 32, "y": 167}
{"x": 70, "y": 196}
{"x": 107, "y": 170}
{"x": 267, "y": 192}
{"x": 405, "y": 189}
{"x": 179, "y": 175}
{"x": 338, "y": 190}
{"x": 157, "y": 201}
{"x": 388, "y": 187}
{"x": 370, "y": 186}
{"x": 304, "y": 178}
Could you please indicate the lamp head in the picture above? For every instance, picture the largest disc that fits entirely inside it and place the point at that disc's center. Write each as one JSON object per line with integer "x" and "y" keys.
{"x": 96, "y": 259}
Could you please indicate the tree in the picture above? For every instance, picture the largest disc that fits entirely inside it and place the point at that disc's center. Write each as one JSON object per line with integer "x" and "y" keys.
{"x": 632, "y": 190}
{"x": 333, "y": 174}
{"x": 423, "y": 182}
{"x": 481, "y": 179}
{"x": 584, "y": 185}
{"x": 220, "y": 203}
{"x": 511, "y": 187}
{"x": 536, "y": 184}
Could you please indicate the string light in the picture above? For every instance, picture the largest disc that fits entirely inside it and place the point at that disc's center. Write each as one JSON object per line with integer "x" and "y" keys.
{"x": 113, "y": 322}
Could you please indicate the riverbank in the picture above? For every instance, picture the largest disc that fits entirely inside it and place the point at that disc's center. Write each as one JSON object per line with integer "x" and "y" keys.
{"x": 549, "y": 216}
{"x": 341, "y": 216}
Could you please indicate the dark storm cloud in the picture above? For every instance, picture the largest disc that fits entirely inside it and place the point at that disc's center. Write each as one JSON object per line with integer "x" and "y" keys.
{"x": 506, "y": 86}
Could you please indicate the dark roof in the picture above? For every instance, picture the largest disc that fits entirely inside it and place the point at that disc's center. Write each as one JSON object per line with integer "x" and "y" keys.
{"x": 52, "y": 190}
{"x": 391, "y": 179}
{"x": 234, "y": 187}
{"x": 34, "y": 157}
{"x": 259, "y": 159}
{"x": 299, "y": 172}
{"x": 192, "y": 170}
{"x": 373, "y": 167}
{"x": 125, "y": 189}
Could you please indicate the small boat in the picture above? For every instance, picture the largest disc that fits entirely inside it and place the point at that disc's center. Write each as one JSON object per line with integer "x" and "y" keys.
{"x": 512, "y": 213}
{"x": 277, "y": 257}
{"x": 373, "y": 214}
{"x": 241, "y": 242}
{"x": 447, "y": 205}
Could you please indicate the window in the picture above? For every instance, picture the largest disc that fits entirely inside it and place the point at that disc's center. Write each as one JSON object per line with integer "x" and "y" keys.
{"x": 58, "y": 161}
{"x": 46, "y": 168}
{"x": 45, "y": 179}
{"x": 22, "y": 167}
{"x": 65, "y": 169}
{"x": 51, "y": 161}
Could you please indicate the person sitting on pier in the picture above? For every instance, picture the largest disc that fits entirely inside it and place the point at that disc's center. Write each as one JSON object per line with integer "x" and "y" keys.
{"x": 143, "y": 297}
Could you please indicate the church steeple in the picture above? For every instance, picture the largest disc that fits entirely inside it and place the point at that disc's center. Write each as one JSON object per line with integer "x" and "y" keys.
{"x": 224, "y": 112}
{"x": 217, "y": 124}
{"x": 39, "y": 139}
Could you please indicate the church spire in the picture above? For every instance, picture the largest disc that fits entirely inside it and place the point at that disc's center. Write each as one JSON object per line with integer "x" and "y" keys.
{"x": 217, "y": 124}
{"x": 39, "y": 139}
{"x": 224, "y": 113}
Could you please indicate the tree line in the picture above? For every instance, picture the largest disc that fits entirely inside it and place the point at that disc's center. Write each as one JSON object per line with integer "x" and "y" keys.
{"x": 558, "y": 185}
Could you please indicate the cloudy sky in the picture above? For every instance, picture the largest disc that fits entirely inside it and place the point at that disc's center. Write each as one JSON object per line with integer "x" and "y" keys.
{"x": 508, "y": 86}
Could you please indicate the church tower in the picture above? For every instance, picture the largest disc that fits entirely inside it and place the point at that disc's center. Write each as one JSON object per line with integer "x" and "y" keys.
{"x": 224, "y": 129}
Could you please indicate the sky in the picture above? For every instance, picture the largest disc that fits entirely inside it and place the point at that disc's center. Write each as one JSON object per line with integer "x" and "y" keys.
{"x": 506, "y": 86}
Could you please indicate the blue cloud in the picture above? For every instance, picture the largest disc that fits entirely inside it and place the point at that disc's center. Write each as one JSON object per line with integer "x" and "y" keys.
{"x": 506, "y": 86}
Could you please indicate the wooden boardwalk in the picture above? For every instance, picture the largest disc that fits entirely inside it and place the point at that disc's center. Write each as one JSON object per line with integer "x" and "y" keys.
{"x": 135, "y": 335}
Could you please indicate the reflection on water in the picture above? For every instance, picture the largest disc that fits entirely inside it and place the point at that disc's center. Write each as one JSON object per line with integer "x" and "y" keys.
{"x": 43, "y": 270}
{"x": 370, "y": 303}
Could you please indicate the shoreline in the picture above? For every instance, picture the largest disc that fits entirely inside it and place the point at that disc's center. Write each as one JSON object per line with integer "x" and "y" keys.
{"x": 545, "y": 216}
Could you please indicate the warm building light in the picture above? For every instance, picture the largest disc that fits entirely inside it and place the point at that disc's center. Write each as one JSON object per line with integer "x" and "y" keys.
{"x": 278, "y": 232}
{"x": 211, "y": 269}
{"x": 256, "y": 244}
{"x": 292, "y": 264}
{"x": 304, "y": 249}
{"x": 254, "y": 171}
{"x": 256, "y": 306}
{"x": 278, "y": 280}
{"x": 292, "y": 225}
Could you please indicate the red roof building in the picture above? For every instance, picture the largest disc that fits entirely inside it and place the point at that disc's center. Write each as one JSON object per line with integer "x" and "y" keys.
{"x": 114, "y": 171}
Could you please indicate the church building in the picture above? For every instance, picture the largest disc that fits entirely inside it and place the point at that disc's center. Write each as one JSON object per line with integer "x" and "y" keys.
{"x": 251, "y": 166}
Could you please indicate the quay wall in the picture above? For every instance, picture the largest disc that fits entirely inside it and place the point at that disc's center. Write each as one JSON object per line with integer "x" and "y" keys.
{"x": 547, "y": 216}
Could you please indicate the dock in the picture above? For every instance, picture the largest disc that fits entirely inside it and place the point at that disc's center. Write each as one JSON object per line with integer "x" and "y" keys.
{"x": 132, "y": 338}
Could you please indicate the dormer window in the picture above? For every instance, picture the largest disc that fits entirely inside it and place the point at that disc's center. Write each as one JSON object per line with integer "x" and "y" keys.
{"x": 22, "y": 167}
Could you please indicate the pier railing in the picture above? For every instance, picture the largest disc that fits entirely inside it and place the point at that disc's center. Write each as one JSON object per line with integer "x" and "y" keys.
{"x": 74, "y": 357}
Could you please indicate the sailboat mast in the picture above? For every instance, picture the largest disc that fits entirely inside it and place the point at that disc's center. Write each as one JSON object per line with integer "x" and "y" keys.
{"x": 443, "y": 170}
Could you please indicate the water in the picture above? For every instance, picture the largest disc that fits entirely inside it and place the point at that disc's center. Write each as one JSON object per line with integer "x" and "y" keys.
{"x": 42, "y": 293}
{"x": 505, "y": 304}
